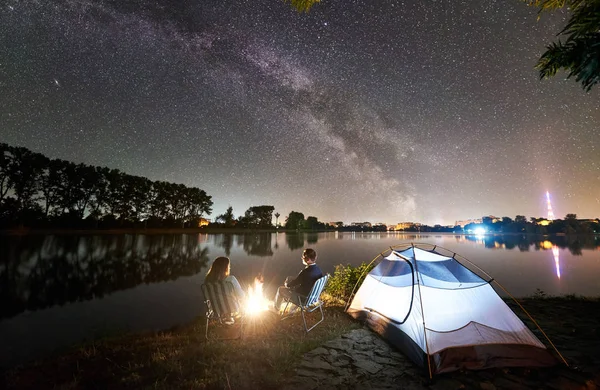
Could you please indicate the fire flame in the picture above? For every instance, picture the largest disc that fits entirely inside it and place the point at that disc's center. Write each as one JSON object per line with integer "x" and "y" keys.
{"x": 256, "y": 302}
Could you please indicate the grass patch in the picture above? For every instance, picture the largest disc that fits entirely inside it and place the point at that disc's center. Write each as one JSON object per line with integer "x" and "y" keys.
{"x": 345, "y": 278}
{"x": 183, "y": 358}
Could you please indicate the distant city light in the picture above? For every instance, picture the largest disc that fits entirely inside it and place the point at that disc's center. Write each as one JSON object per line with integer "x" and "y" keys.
{"x": 556, "y": 260}
{"x": 479, "y": 230}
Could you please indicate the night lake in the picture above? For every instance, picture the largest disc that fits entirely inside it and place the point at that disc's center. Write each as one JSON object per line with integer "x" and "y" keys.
{"x": 60, "y": 290}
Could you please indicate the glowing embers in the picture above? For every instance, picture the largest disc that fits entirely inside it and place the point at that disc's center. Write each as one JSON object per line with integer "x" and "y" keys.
{"x": 256, "y": 302}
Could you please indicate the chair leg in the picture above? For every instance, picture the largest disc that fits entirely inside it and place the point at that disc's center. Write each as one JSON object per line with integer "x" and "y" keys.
{"x": 304, "y": 320}
{"x": 321, "y": 320}
{"x": 206, "y": 333}
{"x": 283, "y": 316}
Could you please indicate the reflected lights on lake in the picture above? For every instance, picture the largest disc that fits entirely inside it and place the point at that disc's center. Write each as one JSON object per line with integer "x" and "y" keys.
{"x": 58, "y": 290}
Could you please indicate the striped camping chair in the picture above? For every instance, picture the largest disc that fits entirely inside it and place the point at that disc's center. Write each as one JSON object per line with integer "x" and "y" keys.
{"x": 311, "y": 302}
{"x": 222, "y": 304}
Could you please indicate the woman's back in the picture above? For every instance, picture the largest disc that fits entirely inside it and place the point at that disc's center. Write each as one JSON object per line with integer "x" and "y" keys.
{"x": 239, "y": 292}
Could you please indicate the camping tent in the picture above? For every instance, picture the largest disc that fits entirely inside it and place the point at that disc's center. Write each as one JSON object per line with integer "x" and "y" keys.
{"x": 442, "y": 315}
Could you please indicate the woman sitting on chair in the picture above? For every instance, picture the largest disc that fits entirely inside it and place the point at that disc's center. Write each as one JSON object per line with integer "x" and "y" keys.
{"x": 219, "y": 272}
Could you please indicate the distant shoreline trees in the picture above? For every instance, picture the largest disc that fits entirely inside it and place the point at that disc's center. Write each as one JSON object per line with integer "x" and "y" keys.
{"x": 39, "y": 192}
{"x": 520, "y": 225}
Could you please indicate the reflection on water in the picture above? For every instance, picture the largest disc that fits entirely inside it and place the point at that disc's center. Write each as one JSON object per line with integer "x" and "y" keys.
{"x": 42, "y": 271}
{"x": 54, "y": 270}
{"x": 294, "y": 241}
{"x": 556, "y": 260}
{"x": 524, "y": 243}
{"x": 59, "y": 290}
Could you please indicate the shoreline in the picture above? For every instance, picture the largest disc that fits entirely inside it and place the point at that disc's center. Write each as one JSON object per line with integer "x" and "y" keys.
{"x": 181, "y": 358}
{"x": 203, "y": 230}
{"x": 26, "y": 232}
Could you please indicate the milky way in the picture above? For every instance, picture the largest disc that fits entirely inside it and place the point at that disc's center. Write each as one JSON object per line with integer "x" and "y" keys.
{"x": 382, "y": 111}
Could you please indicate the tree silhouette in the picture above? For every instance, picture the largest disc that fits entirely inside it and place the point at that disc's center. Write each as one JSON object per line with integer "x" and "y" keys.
{"x": 520, "y": 219}
{"x": 294, "y": 220}
{"x": 61, "y": 193}
{"x": 258, "y": 216}
{"x": 227, "y": 218}
{"x": 579, "y": 54}
{"x": 5, "y": 166}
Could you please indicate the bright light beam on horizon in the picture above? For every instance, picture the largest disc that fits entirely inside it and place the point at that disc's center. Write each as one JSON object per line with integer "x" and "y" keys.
{"x": 550, "y": 212}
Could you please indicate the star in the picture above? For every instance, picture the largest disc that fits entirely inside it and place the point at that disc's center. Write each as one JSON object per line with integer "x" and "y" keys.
{"x": 378, "y": 113}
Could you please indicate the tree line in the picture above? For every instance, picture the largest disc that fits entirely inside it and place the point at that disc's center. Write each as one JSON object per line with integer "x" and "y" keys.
{"x": 569, "y": 225}
{"x": 37, "y": 191}
{"x": 262, "y": 217}
{"x": 520, "y": 224}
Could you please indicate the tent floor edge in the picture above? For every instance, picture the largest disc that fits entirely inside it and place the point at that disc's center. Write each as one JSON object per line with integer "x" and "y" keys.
{"x": 486, "y": 356}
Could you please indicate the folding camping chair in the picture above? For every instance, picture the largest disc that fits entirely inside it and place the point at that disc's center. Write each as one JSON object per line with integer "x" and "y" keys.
{"x": 310, "y": 303}
{"x": 222, "y": 305}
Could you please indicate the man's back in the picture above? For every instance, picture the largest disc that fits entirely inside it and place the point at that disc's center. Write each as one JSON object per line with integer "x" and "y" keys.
{"x": 305, "y": 279}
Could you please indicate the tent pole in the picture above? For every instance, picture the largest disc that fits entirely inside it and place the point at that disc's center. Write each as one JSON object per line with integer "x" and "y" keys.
{"x": 423, "y": 314}
{"x": 376, "y": 257}
{"x": 536, "y": 324}
{"x": 361, "y": 276}
{"x": 474, "y": 265}
{"x": 517, "y": 302}
{"x": 521, "y": 306}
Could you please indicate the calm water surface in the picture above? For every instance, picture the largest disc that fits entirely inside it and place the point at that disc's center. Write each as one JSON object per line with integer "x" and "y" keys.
{"x": 56, "y": 291}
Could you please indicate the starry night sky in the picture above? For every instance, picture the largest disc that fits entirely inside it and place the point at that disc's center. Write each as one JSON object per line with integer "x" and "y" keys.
{"x": 380, "y": 111}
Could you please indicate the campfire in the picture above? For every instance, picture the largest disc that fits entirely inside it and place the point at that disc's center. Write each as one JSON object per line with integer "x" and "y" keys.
{"x": 257, "y": 302}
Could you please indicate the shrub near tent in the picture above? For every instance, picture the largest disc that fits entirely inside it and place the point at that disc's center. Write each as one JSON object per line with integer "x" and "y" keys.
{"x": 442, "y": 315}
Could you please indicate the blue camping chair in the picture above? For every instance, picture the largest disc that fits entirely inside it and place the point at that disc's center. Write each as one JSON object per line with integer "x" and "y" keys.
{"x": 309, "y": 303}
{"x": 222, "y": 305}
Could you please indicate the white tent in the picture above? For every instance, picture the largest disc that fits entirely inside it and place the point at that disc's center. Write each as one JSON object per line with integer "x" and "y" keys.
{"x": 443, "y": 315}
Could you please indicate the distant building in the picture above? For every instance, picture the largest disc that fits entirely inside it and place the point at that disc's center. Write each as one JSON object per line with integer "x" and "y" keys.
{"x": 406, "y": 225}
{"x": 588, "y": 220}
{"x": 203, "y": 222}
{"x": 543, "y": 222}
{"x": 465, "y": 222}
{"x": 361, "y": 224}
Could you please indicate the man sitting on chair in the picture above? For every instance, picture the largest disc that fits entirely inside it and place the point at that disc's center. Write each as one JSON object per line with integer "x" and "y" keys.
{"x": 303, "y": 283}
